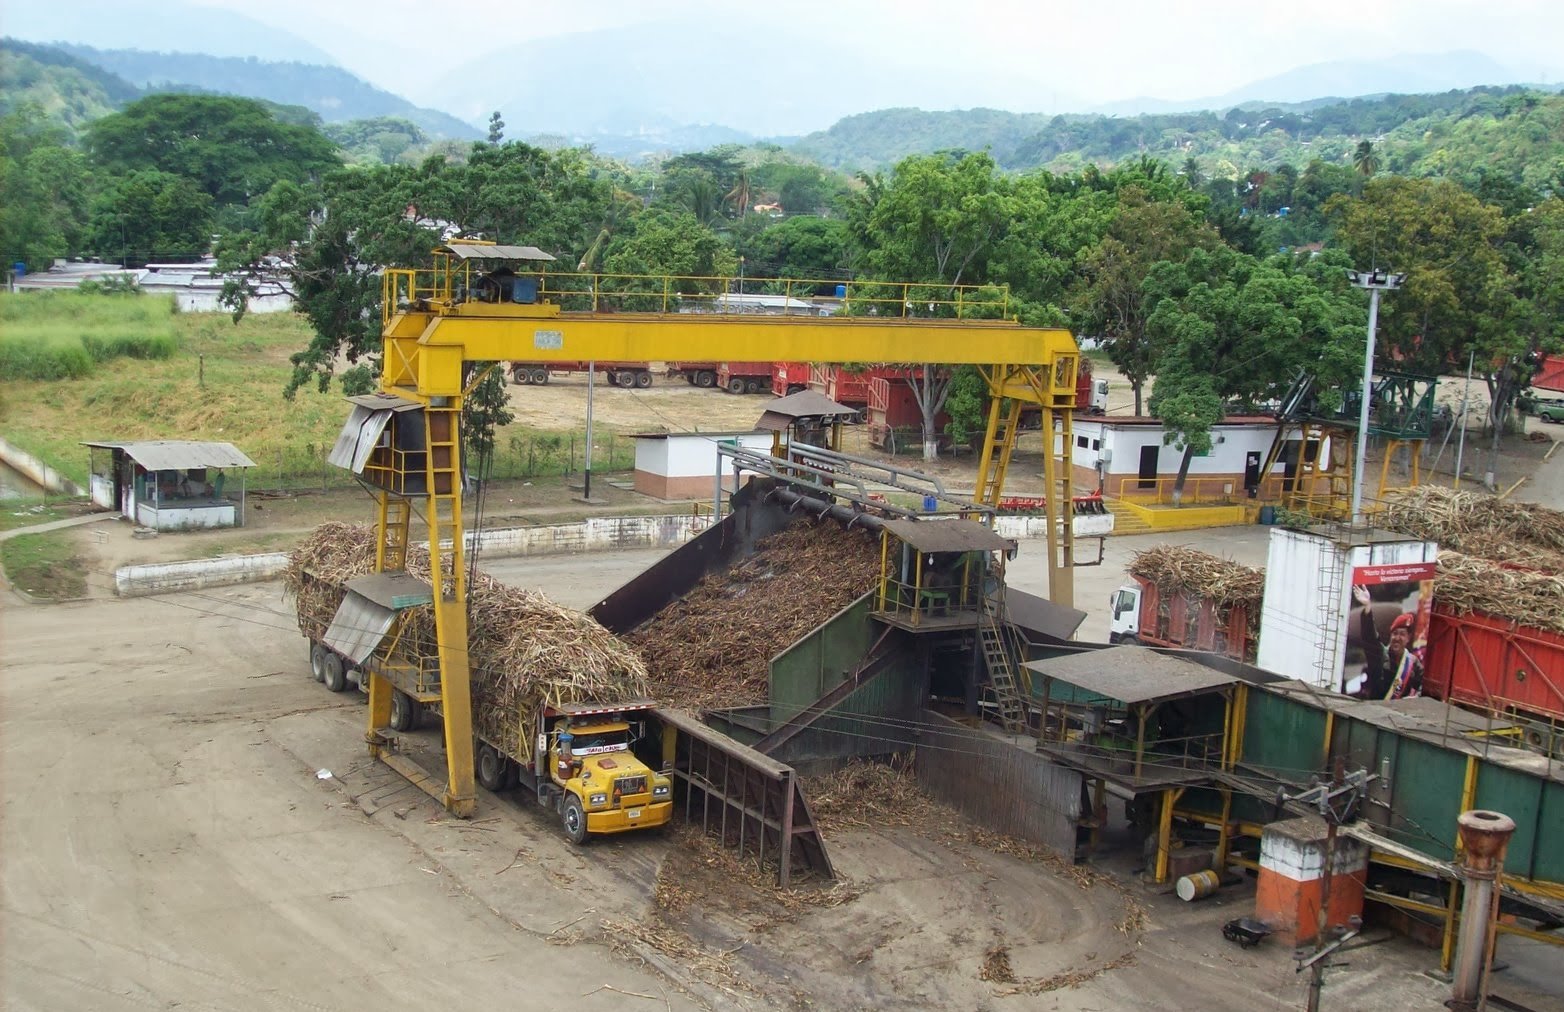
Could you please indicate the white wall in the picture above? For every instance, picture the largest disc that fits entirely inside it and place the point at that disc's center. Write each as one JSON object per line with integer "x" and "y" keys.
{"x": 691, "y": 455}
{"x": 1308, "y": 597}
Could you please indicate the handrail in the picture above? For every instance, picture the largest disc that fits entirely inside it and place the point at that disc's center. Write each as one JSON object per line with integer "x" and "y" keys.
{"x": 444, "y": 288}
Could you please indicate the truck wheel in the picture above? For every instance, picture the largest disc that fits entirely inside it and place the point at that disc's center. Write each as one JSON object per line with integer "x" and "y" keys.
{"x": 625, "y": 379}
{"x": 643, "y": 379}
{"x": 333, "y": 675}
{"x": 706, "y": 378}
{"x": 317, "y": 661}
{"x": 519, "y": 375}
{"x": 538, "y": 377}
{"x": 752, "y": 387}
{"x": 575, "y": 820}
{"x": 406, "y": 712}
{"x": 1131, "y": 641}
{"x": 735, "y": 385}
{"x": 491, "y": 769}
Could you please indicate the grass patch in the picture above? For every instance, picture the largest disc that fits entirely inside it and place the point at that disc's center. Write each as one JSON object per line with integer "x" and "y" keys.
{"x": 45, "y": 565}
{"x": 20, "y": 513}
{"x": 68, "y": 335}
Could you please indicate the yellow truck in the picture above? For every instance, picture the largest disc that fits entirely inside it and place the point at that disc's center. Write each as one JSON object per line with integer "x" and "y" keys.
{"x": 582, "y": 764}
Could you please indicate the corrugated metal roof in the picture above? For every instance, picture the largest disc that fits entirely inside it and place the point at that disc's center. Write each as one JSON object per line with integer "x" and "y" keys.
{"x": 948, "y": 536}
{"x": 176, "y": 454}
{"x": 1133, "y": 674}
{"x": 358, "y": 627}
{"x": 488, "y": 251}
{"x": 807, "y": 404}
{"x": 1040, "y": 615}
{"x": 360, "y": 433}
{"x": 394, "y": 590}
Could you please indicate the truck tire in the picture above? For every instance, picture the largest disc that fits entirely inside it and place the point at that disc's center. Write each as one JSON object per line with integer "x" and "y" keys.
{"x": 1131, "y": 641}
{"x": 736, "y": 385}
{"x": 643, "y": 379}
{"x": 490, "y": 769}
{"x": 318, "y": 661}
{"x": 519, "y": 375}
{"x": 334, "y": 675}
{"x": 622, "y": 379}
{"x": 574, "y": 820}
{"x": 752, "y": 386}
{"x": 538, "y": 377}
{"x": 406, "y": 712}
{"x": 706, "y": 378}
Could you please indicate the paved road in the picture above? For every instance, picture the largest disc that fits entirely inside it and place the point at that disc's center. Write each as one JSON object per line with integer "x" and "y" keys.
{"x": 55, "y": 525}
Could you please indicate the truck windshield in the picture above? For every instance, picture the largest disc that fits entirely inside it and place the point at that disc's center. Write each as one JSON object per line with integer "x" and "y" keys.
{"x": 593, "y": 742}
{"x": 1124, "y": 602}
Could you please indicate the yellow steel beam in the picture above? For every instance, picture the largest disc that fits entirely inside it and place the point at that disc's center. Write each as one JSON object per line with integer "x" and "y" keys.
{"x": 418, "y": 344}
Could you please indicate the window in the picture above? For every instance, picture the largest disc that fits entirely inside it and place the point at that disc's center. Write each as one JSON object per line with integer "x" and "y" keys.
{"x": 1096, "y": 444}
{"x": 1081, "y": 442}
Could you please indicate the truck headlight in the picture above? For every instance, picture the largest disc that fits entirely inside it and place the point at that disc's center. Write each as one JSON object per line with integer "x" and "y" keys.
{"x": 660, "y": 791}
{"x": 598, "y": 799}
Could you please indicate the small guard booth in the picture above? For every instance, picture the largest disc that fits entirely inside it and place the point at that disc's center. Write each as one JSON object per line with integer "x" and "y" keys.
{"x": 170, "y": 485}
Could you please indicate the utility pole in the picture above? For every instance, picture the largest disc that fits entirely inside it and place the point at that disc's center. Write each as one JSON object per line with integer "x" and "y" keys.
{"x": 1375, "y": 281}
{"x": 1337, "y": 803}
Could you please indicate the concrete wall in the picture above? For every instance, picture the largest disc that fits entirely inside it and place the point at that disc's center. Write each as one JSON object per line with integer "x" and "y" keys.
{"x": 597, "y": 534}
{"x": 37, "y": 471}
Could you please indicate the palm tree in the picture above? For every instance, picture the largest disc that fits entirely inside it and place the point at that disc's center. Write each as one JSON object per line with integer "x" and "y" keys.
{"x": 1365, "y": 159}
{"x": 739, "y": 196}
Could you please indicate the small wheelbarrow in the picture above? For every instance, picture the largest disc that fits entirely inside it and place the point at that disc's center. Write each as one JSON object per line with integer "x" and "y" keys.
{"x": 1246, "y": 931}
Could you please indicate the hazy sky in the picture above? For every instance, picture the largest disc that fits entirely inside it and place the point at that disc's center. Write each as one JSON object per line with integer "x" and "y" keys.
{"x": 1103, "y": 50}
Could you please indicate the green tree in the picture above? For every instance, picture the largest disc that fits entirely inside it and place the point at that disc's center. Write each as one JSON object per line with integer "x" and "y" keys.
{"x": 1365, "y": 159}
{"x": 802, "y": 247}
{"x": 149, "y": 216}
{"x": 1233, "y": 330}
{"x": 1109, "y": 297}
{"x": 496, "y": 128}
{"x": 232, "y": 148}
{"x": 44, "y": 191}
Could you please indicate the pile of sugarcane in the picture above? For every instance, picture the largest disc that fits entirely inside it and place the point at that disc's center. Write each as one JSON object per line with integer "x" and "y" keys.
{"x": 1477, "y": 523}
{"x": 524, "y": 650}
{"x": 1184, "y": 570}
{"x": 1466, "y": 583}
{"x": 712, "y": 647}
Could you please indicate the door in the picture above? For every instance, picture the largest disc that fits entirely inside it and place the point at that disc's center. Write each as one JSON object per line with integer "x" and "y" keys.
{"x": 1148, "y": 466}
{"x": 1252, "y": 473}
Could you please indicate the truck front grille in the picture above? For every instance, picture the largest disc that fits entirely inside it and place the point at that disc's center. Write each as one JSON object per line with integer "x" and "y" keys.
{"x": 626, "y": 787}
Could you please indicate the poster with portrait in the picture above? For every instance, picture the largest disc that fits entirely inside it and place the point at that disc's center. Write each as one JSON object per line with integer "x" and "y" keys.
{"x": 1387, "y": 630}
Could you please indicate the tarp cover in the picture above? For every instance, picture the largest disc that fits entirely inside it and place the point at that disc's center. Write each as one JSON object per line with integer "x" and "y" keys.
{"x": 486, "y": 251}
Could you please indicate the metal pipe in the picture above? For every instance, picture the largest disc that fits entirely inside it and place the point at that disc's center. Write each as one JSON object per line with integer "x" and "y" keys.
{"x": 1484, "y": 837}
{"x": 837, "y": 512}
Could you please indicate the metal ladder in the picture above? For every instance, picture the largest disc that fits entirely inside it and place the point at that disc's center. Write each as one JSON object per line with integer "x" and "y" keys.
{"x": 997, "y": 639}
{"x": 1332, "y": 572}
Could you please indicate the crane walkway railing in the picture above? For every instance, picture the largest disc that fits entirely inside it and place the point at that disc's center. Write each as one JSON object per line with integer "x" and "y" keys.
{"x": 443, "y": 289}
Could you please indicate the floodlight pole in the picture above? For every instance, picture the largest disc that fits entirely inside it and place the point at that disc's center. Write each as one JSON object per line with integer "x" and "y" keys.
{"x": 1375, "y": 281}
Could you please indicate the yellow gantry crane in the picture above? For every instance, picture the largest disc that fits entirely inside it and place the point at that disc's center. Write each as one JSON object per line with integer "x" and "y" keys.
{"x": 474, "y": 306}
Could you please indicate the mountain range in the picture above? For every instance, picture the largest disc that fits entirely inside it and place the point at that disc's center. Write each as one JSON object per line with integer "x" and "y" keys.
{"x": 666, "y": 84}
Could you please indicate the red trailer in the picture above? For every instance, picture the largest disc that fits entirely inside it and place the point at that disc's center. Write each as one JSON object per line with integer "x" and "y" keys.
{"x": 1494, "y": 664}
{"x": 1143, "y": 614}
{"x": 623, "y": 374}
{"x": 789, "y": 377}
{"x": 744, "y": 377}
{"x": 700, "y": 374}
{"x": 895, "y": 420}
{"x": 843, "y": 387}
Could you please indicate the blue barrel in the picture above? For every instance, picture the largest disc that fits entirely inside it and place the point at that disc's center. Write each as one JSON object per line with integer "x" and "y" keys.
{"x": 21, "y": 270}
{"x": 1267, "y": 515}
{"x": 841, "y": 291}
{"x": 930, "y": 504}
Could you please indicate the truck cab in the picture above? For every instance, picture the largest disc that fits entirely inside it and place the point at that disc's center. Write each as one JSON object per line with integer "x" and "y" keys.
{"x": 603, "y": 787}
{"x": 1124, "y": 620}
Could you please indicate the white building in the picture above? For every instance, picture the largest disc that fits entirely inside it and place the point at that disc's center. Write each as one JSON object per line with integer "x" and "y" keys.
{"x": 683, "y": 465}
{"x": 1129, "y": 458}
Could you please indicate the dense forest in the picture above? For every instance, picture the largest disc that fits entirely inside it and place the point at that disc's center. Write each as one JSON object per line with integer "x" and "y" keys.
{"x": 1221, "y": 279}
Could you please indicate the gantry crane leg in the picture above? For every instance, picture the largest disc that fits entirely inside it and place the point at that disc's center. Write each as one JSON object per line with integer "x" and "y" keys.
{"x": 392, "y": 515}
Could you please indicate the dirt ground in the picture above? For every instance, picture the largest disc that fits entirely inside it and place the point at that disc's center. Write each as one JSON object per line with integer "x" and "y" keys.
{"x": 193, "y": 821}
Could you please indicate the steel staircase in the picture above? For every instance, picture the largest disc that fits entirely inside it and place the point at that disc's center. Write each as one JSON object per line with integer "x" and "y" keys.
{"x": 1000, "y": 642}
